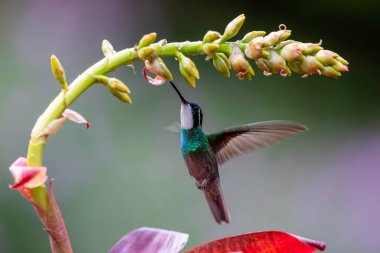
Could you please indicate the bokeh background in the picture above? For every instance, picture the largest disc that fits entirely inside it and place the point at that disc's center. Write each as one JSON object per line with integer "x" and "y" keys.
{"x": 127, "y": 172}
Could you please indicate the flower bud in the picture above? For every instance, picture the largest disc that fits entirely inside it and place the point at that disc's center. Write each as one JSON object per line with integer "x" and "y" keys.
{"x": 291, "y": 52}
{"x": 239, "y": 64}
{"x": 107, "y": 48}
{"x": 211, "y": 36}
{"x": 276, "y": 37}
{"x": 340, "y": 66}
{"x": 188, "y": 65}
{"x": 341, "y": 60}
{"x": 210, "y": 49}
{"x": 146, "y": 52}
{"x": 328, "y": 57}
{"x": 119, "y": 95}
{"x": 254, "y": 48}
{"x": 233, "y": 28}
{"x": 310, "y": 48}
{"x": 264, "y": 66}
{"x": 146, "y": 40}
{"x": 189, "y": 78}
{"x": 118, "y": 85}
{"x": 251, "y": 35}
{"x": 330, "y": 72}
{"x": 282, "y": 44}
{"x": 188, "y": 69}
{"x": 296, "y": 67}
{"x": 278, "y": 64}
{"x": 221, "y": 64}
{"x": 58, "y": 71}
{"x": 311, "y": 65}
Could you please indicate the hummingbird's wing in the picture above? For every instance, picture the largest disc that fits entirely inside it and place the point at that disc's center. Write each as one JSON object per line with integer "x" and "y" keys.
{"x": 237, "y": 140}
{"x": 174, "y": 127}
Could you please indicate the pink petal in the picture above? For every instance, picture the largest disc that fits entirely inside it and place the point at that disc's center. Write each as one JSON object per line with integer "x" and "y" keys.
{"x": 76, "y": 117}
{"x": 27, "y": 177}
{"x": 157, "y": 81}
{"x": 53, "y": 127}
{"x": 150, "y": 240}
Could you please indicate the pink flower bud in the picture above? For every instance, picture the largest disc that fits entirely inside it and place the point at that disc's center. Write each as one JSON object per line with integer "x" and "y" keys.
{"x": 311, "y": 65}
{"x": 278, "y": 64}
{"x": 310, "y": 48}
{"x": 296, "y": 67}
{"x": 239, "y": 64}
{"x": 276, "y": 37}
{"x": 264, "y": 66}
{"x": 326, "y": 56}
{"x": 291, "y": 52}
{"x": 340, "y": 67}
{"x": 254, "y": 48}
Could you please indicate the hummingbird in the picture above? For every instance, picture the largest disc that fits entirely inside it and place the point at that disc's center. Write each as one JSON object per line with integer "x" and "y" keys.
{"x": 203, "y": 154}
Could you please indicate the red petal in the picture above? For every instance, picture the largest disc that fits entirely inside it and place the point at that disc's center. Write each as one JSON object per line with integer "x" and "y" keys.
{"x": 150, "y": 240}
{"x": 260, "y": 242}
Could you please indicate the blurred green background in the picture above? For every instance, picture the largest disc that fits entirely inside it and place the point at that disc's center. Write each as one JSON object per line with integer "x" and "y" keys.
{"x": 126, "y": 170}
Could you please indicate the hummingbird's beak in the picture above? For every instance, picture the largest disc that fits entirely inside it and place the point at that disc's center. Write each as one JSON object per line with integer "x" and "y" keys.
{"x": 184, "y": 101}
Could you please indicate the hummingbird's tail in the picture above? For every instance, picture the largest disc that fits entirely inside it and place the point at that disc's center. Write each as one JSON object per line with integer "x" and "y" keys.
{"x": 215, "y": 200}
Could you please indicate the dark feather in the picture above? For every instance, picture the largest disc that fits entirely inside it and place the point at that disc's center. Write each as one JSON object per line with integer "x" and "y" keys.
{"x": 237, "y": 140}
{"x": 215, "y": 200}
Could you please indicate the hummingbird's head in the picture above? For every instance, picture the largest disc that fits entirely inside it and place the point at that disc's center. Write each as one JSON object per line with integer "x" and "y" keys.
{"x": 191, "y": 113}
{"x": 191, "y": 116}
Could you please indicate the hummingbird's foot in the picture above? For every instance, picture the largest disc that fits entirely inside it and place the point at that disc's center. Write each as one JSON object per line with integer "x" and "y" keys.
{"x": 202, "y": 185}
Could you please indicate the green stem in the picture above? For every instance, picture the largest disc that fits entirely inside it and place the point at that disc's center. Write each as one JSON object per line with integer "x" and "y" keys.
{"x": 75, "y": 89}
{"x": 85, "y": 80}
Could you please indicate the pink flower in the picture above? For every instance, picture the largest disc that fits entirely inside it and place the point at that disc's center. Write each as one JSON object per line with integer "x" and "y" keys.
{"x": 26, "y": 177}
{"x": 157, "y": 81}
{"x": 156, "y": 66}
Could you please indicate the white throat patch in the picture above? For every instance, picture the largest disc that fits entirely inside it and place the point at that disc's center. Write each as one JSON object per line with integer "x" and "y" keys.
{"x": 186, "y": 117}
